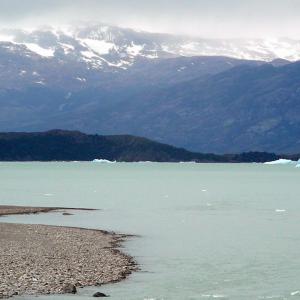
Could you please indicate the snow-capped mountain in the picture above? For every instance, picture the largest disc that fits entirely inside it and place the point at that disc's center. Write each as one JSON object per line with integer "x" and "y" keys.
{"x": 194, "y": 93}
{"x": 76, "y": 56}
{"x": 99, "y": 46}
{"x": 102, "y": 46}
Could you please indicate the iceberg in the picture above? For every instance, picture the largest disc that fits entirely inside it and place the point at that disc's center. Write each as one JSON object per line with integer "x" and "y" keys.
{"x": 284, "y": 162}
{"x": 295, "y": 293}
{"x": 280, "y": 162}
{"x": 280, "y": 210}
{"x": 105, "y": 161}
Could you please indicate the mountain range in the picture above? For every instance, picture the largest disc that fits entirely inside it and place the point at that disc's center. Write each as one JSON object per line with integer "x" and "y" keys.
{"x": 222, "y": 96}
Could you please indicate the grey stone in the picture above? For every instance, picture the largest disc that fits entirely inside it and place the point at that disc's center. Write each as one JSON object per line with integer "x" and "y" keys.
{"x": 99, "y": 294}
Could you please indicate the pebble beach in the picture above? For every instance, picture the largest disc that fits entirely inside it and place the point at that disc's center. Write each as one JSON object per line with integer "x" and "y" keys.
{"x": 41, "y": 260}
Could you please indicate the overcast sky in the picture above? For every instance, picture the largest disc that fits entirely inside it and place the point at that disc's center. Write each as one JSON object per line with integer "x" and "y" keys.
{"x": 207, "y": 18}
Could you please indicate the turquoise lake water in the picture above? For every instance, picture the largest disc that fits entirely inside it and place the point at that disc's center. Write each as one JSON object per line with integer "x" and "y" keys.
{"x": 206, "y": 231}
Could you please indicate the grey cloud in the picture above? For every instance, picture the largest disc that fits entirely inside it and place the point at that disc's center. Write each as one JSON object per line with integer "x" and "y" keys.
{"x": 209, "y": 18}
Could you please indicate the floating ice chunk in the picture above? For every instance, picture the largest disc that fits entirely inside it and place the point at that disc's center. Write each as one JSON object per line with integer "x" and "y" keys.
{"x": 213, "y": 296}
{"x": 295, "y": 293}
{"x": 279, "y": 162}
{"x": 103, "y": 161}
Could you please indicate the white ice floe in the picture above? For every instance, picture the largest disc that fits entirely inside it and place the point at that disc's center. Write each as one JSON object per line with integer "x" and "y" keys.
{"x": 295, "y": 293}
{"x": 213, "y": 296}
{"x": 280, "y": 210}
{"x": 103, "y": 161}
{"x": 280, "y": 162}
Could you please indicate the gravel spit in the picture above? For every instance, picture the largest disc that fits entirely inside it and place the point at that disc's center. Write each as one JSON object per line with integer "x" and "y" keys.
{"x": 39, "y": 259}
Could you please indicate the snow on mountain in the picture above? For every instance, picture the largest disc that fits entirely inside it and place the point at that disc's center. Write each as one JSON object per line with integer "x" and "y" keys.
{"x": 39, "y": 50}
{"x": 98, "y": 45}
{"x": 49, "y": 55}
{"x": 260, "y": 49}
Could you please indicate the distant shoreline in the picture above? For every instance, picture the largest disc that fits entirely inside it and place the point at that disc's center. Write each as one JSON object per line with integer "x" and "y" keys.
{"x": 42, "y": 260}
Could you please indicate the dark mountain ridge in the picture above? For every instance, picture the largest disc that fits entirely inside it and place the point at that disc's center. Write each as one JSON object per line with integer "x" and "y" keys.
{"x": 244, "y": 108}
{"x": 60, "y": 145}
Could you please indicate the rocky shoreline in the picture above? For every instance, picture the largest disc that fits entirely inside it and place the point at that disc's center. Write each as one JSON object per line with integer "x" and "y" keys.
{"x": 6, "y": 210}
{"x": 40, "y": 260}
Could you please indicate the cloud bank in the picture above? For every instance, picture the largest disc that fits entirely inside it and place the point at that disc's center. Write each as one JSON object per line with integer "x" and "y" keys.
{"x": 204, "y": 18}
